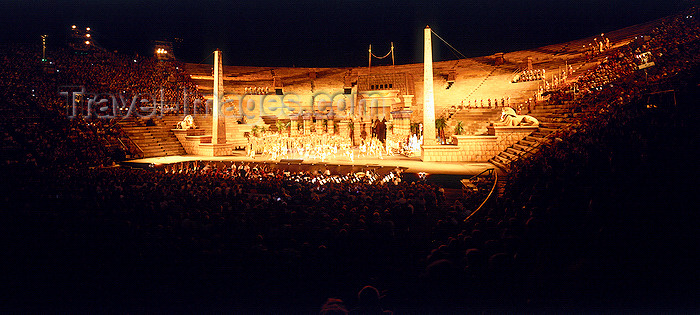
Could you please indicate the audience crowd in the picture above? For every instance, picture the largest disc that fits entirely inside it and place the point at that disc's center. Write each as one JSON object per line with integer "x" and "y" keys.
{"x": 35, "y": 129}
{"x": 32, "y": 101}
{"x": 600, "y": 216}
{"x": 267, "y": 232}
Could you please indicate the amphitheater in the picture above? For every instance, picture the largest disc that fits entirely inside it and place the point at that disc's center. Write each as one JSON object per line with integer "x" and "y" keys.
{"x": 593, "y": 209}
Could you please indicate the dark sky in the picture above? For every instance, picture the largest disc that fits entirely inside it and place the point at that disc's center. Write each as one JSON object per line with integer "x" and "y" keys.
{"x": 324, "y": 33}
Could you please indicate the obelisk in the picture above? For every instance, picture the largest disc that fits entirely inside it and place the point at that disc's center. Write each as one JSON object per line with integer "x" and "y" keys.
{"x": 218, "y": 124}
{"x": 428, "y": 97}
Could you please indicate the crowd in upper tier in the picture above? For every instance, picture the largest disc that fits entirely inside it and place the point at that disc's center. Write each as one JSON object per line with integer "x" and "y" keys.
{"x": 106, "y": 72}
{"x": 32, "y": 101}
{"x": 35, "y": 129}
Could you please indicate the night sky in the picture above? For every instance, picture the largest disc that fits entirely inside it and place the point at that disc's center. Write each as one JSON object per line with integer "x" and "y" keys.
{"x": 324, "y": 33}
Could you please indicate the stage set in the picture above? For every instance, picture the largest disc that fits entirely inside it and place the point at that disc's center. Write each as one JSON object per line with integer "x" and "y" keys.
{"x": 376, "y": 135}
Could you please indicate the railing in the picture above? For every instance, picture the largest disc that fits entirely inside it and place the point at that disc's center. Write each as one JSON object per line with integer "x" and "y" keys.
{"x": 447, "y": 112}
{"x": 490, "y": 171}
{"x": 131, "y": 145}
{"x": 486, "y": 77}
{"x": 139, "y": 153}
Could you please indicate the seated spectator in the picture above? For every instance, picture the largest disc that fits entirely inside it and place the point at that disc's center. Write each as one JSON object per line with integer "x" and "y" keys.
{"x": 369, "y": 302}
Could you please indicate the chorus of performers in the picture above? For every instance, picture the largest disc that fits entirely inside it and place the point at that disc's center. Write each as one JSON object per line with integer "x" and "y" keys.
{"x": 256, "y": 90}
{"x": 412, "y": 145}
{"x": 488, "y": 103}
{"x": 322, "y": 147}
{"x": 314, "y": 146}
{"x": 530, "y": 75}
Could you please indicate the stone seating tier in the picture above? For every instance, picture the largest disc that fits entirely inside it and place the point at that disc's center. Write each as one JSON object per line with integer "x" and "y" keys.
{"x": 156, "y": 140}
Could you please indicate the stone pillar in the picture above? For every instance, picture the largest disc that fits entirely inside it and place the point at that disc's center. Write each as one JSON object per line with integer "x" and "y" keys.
{"x": 218, "y": 120}
{"x": 529, "y": 63}
{"x": 331, "y": 127}
{"x": 344, "y": 128}
{"x": 428, "y": 96}
{"x": 500, "y": 59}
{"x": 368, "y": 130}
{"x": 293, "y": 125}
{"x": 319, "y": 126}
{"x": 357, "y": 130}
{"x": 307, "y": 124}
{"x": 407, "y": 102}
{"x": 401, "y": 120}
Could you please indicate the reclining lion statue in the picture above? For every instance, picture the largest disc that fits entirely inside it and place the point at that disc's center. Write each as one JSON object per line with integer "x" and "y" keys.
{"x": 510, "y": 118}
{"x": 187, "y": 123}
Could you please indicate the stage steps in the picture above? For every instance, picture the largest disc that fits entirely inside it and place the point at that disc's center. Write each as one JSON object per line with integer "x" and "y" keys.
{"x": 155, "y": 138}
{"x": 552, "y": 117}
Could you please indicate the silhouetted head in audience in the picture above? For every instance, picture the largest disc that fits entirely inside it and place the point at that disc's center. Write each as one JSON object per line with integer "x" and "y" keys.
{"x": 368, "y": 301}
{"x": 333, "y": 307}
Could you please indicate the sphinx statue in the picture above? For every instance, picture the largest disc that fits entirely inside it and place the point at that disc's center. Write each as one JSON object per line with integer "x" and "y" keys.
{"x": 187, "y": 123}
{"x": 510, "y": 118}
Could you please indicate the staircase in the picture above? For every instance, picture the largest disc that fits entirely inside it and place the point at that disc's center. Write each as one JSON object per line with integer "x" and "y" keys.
{"x": 486, "y": 77}
{"x": 552, "y": 117}
{"x": 555, "y": 114}
{"x": 155, "y": 140}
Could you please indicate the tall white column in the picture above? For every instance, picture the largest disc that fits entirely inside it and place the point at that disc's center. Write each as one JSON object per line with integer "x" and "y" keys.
{"x": 428, "y": 96}
{"x": 218, "y": 124}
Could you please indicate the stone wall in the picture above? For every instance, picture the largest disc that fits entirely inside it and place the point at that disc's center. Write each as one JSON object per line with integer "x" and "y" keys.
{"x": 507, "y": 136}
{"x": 187, "y": 138}
{"x": 195, "y": 142}
{"x": 476, "y": 148}
{"x": 441, "y": 153}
